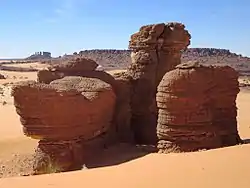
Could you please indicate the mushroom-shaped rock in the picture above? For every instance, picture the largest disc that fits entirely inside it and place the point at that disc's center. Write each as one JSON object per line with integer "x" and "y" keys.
{"x": 66, "y": 108}
{"x": 197, "y": 108}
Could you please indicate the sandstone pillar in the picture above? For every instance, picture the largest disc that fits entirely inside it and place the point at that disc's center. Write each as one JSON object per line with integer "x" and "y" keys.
{"x": 197, "y": 108}
{"x": 156, "y": 49}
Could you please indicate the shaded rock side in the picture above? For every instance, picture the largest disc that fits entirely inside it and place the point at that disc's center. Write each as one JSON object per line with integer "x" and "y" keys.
{"x": 2, "y": 76}
{"x": 197, "y": 108}
{"x": 122, "y": 116}
{"x": 156, "y": 49}
{"x": 58, "y": 156}
{"x": 67, "y": 108}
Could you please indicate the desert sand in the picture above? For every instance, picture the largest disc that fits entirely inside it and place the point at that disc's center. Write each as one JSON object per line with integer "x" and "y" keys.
{"x": 225, "y": 167}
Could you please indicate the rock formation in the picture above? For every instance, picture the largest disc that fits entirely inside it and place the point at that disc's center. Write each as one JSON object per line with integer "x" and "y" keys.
{"x": 2, "y": 76}
{"x": 75, "y": 110}
{"x": 120, "y": 83}
{"x": 39, "y": 56}
{"x": 60, "y": 86}
{"x": 74, "y": 67}
{"x": 63, "y": 115}
{"x": 156, "y": 49}
{"x": 122, "y": 118}
{"x": 197, "y": 108}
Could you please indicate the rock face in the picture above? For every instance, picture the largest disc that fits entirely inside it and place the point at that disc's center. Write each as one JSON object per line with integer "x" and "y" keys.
{"x": 2, "y": 76}
{"x": 120, "y": 83}
{"x": 74, "y": 67}
{"x": 156, "y": 49}
{"x": 64, "y": 114}
{"x": 197, "y": 108}
{"x": 122, "y": 87}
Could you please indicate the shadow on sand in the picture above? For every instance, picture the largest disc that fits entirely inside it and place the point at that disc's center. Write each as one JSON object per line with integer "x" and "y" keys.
{"x": 123, "y": 153}
{"x": 246, "y": 141}
{"x": 119, "y": 154}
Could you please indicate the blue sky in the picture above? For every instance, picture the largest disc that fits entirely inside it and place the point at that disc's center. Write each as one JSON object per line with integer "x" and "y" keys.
{"x": 66, "y": 26}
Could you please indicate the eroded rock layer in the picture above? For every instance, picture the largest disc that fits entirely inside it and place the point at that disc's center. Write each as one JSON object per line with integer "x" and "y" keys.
{"x": 120, "y": 83}
{"x": 197, "y": 108}
{"x": 156, "y": 49}
{"x": 74, "y": 67}
{"x": 2, "y": 76}
{"x": 65, "y": 115}
{"x": 66, "y": 108}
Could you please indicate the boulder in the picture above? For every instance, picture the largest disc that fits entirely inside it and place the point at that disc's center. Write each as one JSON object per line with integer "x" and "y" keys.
{"x": 74, "y": 67}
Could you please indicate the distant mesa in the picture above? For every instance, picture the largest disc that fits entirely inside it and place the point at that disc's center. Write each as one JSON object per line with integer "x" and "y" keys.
{"x": 39, "y": 55}
{"x": 120, "y": 59}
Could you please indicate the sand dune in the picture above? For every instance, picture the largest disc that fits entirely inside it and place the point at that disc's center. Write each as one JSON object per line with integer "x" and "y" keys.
{"x": 227, "y": 167}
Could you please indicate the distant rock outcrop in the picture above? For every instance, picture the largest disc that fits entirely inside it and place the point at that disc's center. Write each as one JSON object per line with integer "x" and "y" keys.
{"x": 120, "y": 59}
{"x": 39, "y": 56}
{"x": 197, "y": 108}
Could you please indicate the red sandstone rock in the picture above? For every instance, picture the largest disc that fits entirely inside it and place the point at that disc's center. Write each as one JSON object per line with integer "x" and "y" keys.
{"x": 46, "y": 76}
{"x": 156, "y": 50}
{"x": 58, "y": 156}
{"x": 75, "y": 65}
{"x": 122, "y": 118}
{"x": 197, "y": 108}
{"x": 66, "y": 108}
{"x": 121, "y": 86}
{"x": 2, "y": 76}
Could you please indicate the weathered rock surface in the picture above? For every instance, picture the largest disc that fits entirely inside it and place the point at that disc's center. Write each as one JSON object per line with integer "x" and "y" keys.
{"x": 156, "y": 49}
{"x": 58, "y": 156}
{"x": 74, "y": 67}
{"x": 65, "y": 115}
{"x": 120, "y": 83}
{"x": 66, "y": 108}
{"x": 122, "y": 118}
{"x": 197, "y": 108}
{"x": 2, "y": 76}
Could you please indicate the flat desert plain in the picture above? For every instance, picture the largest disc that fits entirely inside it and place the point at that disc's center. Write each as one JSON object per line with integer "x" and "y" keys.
{"x": 225, "y": 167}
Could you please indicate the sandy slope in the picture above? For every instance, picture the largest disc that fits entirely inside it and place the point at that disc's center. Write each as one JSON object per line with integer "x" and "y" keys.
{"x": 226, "y": 167}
